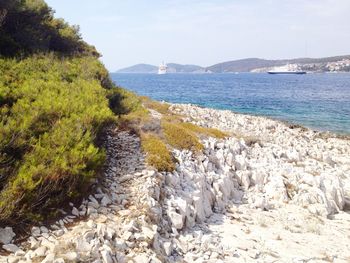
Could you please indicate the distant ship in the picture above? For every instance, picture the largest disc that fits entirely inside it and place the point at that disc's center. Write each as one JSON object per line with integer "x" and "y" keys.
{"x": 163, "y": 68}
{"x": 287, "y": 69}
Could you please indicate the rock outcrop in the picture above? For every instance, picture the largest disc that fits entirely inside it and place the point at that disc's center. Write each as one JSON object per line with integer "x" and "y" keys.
{"x": 267, "y": 193}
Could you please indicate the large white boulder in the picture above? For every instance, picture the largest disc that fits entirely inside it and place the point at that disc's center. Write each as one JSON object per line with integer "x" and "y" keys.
{"x": 240, "y": 162}
{"x": 333, "y": 189}
{"x": 176, "y": 219}
{"x": 276, "y": 190}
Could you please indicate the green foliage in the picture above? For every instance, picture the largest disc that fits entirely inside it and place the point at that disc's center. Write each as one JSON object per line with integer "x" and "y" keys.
{"x": 122, "y": 101}
{"x": 158, "y": 154}
{"x": 50, "y": 112}
{"x": 28, "y": 26}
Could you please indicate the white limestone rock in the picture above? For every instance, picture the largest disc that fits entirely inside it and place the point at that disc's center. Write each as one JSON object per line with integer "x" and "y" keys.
{"x": 71, "y": 256}
{"x": 142, "y": 258}
{"x": 6, "y": 235}
{"x": 105, "y": 200}
{"x": 40, "y": 251}
{"x": 11, "y": 248}
{"x": 176, "y": 219}
{"x": 240, "y": 162}
{"x": 75, "y": 211}
{"x": 168, "y": 248}
{"x": 49, "y": 258}
{"x": 106, "y": 254}
{"x": 59, "y": 260}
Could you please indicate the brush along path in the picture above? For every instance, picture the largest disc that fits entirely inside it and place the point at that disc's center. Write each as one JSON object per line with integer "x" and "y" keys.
{"x": 116, "y": 224}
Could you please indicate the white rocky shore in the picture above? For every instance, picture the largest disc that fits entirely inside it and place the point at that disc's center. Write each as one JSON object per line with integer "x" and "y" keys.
{"x": 268, "y": 193}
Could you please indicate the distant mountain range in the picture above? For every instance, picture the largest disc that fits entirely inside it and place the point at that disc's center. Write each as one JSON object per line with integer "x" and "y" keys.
{"x": 261, "y": 65}
{"x": 337, "y": 63}
{"x": 172, "y": 68}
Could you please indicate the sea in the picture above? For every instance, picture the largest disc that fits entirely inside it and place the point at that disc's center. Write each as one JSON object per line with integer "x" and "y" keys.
{"x": 318, "y": 101}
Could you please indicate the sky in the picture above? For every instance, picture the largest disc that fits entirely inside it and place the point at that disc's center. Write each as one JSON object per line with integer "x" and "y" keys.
{"x": 204, "y": 32}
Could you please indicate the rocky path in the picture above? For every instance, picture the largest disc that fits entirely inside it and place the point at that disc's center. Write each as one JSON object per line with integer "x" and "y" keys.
{"x": 112, "y": 225}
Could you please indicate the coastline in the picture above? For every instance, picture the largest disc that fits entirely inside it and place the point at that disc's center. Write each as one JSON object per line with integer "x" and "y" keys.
{"x": 267, "y": 192}
{"x": 290, "y": 124}
{"x": 260, "y": 95}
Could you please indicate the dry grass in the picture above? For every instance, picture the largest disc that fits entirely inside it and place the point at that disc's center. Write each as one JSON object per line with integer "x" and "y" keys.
{"x": 172, "y": 118}
{"x": 161, "y": 107}
{"x": 291, "y": 190}
{"x": 158, "y": 154}
{"x": 137, "y": 117}
{"x": 204, "y": 131}
{"x": 181, "y": 138}
{"x": 156, "y": 135}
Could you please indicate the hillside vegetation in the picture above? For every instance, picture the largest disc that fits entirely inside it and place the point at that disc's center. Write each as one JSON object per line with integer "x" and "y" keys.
{"x": 51, "y": 111}
{"x": 28, "y": 26}
{"x": 56, "y": 98}
{"x": 53, "y": 104}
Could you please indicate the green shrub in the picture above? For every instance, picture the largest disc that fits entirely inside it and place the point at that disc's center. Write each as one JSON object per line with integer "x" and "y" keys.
{"x": 122, "y": 101}
{"x": 50, "y": 112}
{"x": 28, "y": 27}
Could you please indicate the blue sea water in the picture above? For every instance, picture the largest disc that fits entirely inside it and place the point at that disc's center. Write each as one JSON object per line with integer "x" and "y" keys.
{"x": 318, "y": 101}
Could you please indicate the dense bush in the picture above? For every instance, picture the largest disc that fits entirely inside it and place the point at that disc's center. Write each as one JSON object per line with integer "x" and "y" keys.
{"x": 122, "y": 101}
{"x": 28, "y": 26}
{"x": 50, "y": 112}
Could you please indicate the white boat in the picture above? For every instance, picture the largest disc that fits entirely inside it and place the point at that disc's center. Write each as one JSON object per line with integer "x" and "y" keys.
{"x": 287, "y": 69}
{"x": 163, "y": 69}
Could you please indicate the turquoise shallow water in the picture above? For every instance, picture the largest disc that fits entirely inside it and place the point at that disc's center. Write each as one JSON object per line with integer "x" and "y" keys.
{"x": 318, "y": 101}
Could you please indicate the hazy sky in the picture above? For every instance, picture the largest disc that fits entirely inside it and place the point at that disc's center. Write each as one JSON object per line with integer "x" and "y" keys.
{"x": 206, "y": 32}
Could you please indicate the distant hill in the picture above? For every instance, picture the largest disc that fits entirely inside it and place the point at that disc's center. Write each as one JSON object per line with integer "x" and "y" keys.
{"x": 139, "y": 68}
{"x": 250, "y": 64}
{"x": 172, "y": 68}
{"x": 178, "y": 68}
